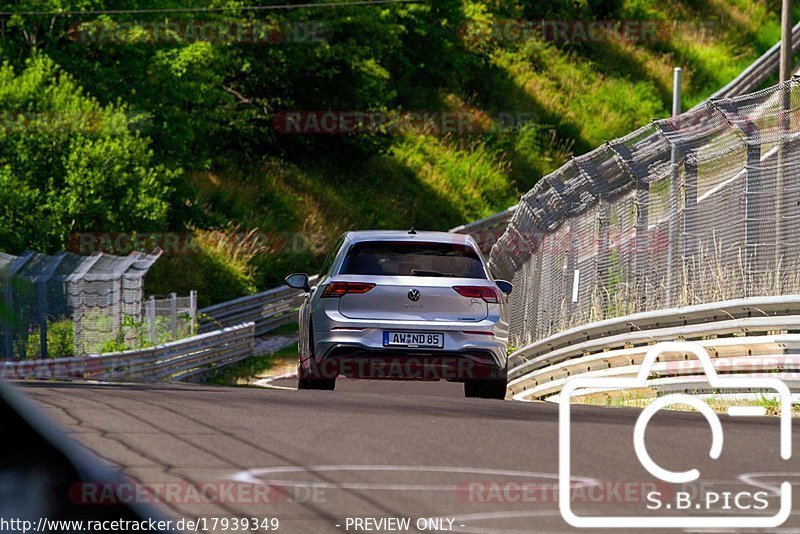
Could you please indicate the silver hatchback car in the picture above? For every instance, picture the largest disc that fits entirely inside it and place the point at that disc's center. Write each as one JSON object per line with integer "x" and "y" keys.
{"x": 406, "y": 306}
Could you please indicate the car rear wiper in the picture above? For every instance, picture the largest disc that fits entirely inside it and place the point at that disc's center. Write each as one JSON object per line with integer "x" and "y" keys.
{"x": 423, "y": 272}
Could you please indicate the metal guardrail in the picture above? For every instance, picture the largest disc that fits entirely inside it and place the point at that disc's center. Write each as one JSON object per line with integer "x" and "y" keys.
{"x": 267, "y": 310}
{"x": 177, "y": 360}
{"x": 752, "y": 336}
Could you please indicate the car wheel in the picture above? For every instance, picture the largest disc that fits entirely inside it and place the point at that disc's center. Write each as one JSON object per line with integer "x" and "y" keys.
{"x": 309, "y": 378}
{"x": 305, "y": 382}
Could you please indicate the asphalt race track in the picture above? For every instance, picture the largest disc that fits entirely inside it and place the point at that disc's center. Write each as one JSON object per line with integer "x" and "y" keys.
{"x": 406, "y": 450}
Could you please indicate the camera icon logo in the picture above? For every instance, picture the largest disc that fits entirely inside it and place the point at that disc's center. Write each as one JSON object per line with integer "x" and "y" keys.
{"x": 715, "y": 381}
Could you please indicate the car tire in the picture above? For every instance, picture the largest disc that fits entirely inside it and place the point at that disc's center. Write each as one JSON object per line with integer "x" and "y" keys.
{"x": 304, "y": 381}
{"x": 486, "y": 389}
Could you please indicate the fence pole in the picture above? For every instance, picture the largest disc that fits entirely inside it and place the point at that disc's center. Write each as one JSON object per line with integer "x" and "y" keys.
{"x": 41, "y": 295}
{"x": 785, "y": 72}
{"x": 151, "y": 319}
{"x": 753, "y": 188}
{"x": 783, "y": 114}
{"x": 785, "y": 69}
{"x": 638, "y": 174}
{"x": 674, "y": 191}
{"x": 173, "y": 315}
{"x": 10, "y": 326}
{"x": 193, "y": 310}
{"x": 676, "y": 91}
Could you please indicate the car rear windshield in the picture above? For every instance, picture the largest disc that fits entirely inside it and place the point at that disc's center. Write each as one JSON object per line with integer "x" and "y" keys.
{"x": 388, "y": 258}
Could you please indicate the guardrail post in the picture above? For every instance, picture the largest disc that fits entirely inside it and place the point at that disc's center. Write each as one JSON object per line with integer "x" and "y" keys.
{"x": 672, "y": 222}
{"x": 42, "y": 281}
{"x": 603, "y": 237}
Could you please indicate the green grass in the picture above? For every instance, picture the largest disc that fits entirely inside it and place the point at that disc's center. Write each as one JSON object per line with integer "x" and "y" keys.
{"x": 641, "y": 398}
{"x": 237, "y": 373}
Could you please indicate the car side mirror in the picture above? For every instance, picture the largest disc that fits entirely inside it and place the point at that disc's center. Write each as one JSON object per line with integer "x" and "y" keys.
{"x": 505, "y": 286}
{"x": 298, "y": 281}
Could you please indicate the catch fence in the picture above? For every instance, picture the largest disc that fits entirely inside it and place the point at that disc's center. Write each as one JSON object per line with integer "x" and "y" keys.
{"x": 697, "y": 208}
{"x": 66, "y": 305}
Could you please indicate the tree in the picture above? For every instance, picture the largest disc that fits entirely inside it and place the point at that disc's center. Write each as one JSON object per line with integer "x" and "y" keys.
{"x": 68, "y": 164}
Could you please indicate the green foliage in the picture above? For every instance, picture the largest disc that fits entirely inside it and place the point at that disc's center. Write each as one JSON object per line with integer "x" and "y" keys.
{"x": 213, "y": 273}
{"x": 69, "y": 164}
{"x": 102, "y": 336}
{"x": 61, "y": 338}
{"x": 60, "y": 341}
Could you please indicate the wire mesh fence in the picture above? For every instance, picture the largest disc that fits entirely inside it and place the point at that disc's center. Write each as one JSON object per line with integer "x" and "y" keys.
{"x": 66, "y": 305}
{"x": 697, "y": 208}
{"x": 169, "y": 319}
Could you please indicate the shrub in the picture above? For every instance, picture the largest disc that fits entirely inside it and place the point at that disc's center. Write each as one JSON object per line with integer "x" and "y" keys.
{"x": 68, "y": 164}
{"x": 219, "y": 268}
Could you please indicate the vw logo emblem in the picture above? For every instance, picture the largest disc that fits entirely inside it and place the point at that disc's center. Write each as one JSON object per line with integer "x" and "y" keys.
{"x": 413, "y": 295}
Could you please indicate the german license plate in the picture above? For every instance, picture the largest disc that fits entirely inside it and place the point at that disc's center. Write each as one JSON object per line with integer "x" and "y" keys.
{"x": 413, "y": 339}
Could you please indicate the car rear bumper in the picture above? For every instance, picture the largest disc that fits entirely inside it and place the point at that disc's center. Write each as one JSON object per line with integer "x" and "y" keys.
{"x": 356, "y": 349}
{"x": 358, "y": 361}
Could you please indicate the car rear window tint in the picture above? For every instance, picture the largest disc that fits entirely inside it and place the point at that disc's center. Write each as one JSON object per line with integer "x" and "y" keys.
{"x": 393, "y": 258}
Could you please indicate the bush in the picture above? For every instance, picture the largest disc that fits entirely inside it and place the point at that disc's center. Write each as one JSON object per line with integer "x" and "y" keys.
{"x": 61, "y": 338}
{"x": 60, "y": 341}
{"x": 68, "y": 164}
{"x": 219, "y": 268}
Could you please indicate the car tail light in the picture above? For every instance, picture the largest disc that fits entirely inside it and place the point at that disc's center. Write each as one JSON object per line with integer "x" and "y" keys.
{"x": 478, "y": 292}
{"x": 337, "y": 289}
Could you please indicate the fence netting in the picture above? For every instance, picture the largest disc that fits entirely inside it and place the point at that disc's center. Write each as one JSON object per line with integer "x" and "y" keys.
{"x": 65, "y": 305}
{"x": 697, "y": 208}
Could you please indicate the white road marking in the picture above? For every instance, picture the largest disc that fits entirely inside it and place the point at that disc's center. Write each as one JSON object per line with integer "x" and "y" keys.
{"x": 254, "y": 476}
{"x": 746, "y": 411}
{"x": 775, "y": 490}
